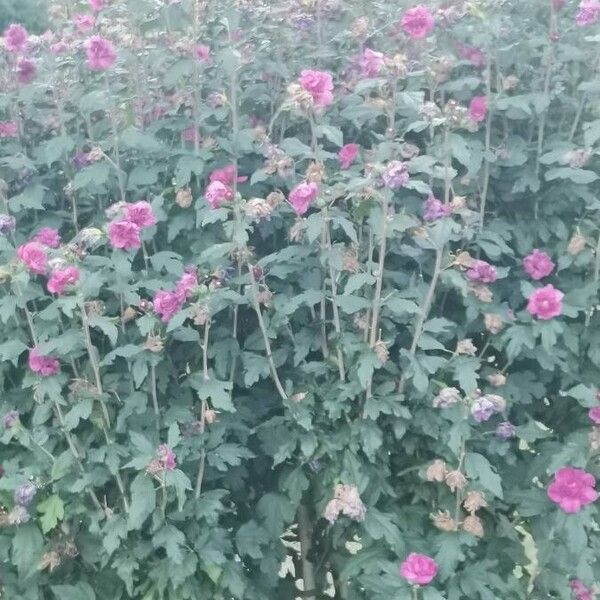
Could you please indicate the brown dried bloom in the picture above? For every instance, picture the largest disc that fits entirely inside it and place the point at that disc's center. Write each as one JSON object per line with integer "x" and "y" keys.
{"x": 496, "y": 379}
{"x": 350, "y": 260}
{"x": 360, "y": 27}
{"x": 315, "y": 172}
{"x": 594, "y": 438}
{"x": 94, "y": 308}
{"x": 155, "y": 467}
{"x": 482, "y": 293}
{"x": 210, "y": 416}
{"x": 577, "y": 244}
{"x": 381, "y": 351}
{"x": 578, "y": 158}
{"x": 257, "y": 209}
{"x": 458, "y": 203}
{"x": 408, "y": 151}
{"x": 473, "y": 501}
{"x": 443, "y": 521}
{"x": 299, "y": 98}
{"x": 199, "y": 314}
{"x": 397, "y": 65}
{"x": 361, "y": 321}
{"x": 436, "y": 471}
{"x": 463, "y": 260}
{"x": 297, "y": 230}
{"x": 129, "y": 314}
{"x": 95, "y": 154}
{"x": 154, "y": 343}
{"x": 298, "y": 397}
{"x": 510, "y": 82}
{"x": 473, "y": 525}
{"x": 275, "y": 198}
{"x": 50, "y": 560}
{"x": 346, "y": 500}
{"x": 455, "y": 480}
{"x": 264, "y": 297}
{"x": 467, "y": 347}
{"x": 493, "y": 323}
{"x": 183, "y": 198}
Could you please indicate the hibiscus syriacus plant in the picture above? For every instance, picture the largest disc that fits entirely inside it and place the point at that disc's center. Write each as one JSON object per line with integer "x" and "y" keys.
{"x": 299, "y": 299}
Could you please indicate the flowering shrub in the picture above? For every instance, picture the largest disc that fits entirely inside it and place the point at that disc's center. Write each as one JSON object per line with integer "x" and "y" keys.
{"x": 299, "y": 299}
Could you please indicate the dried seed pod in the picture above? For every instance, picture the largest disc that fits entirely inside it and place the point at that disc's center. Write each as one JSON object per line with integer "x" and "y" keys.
{"x": 455, "y": 480}
{"x": 473, "y": 525}
{"x": 436, "y": 471}
{"x": 473, "y": 501}
{"x": 443, "y": 521}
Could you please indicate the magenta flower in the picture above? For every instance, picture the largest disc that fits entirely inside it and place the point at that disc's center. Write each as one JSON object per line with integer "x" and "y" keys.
{"x": 33, "y": 254}
{"x": 60, "y": 279}
{"x": 8, "y": 129}
{"x": 26, "y": 71}
{"x": 84, "y": 22}
{"x": 418, "y": 22}
{"x": 187, "y": 283}
{"x": 474, "y": 55}
{"x": 581, "y": 591}
{"x": 190, "y": 135}
{"x": 124, "y": 235}
{"x": 167, "y": 304}
{"x": 395, "y": 174}
{"x": 482, "y": 272}
{"x": 319, "y": 84}
{"x": 101, "y": 54}
{"x": 167, "y": 457}
{"x": 202, "y": 53}
{"x": 48, "y": 236}
{"x": 589, "y": 11}
{"x": 302, "y": 196}
{"x": 15, "y": 38}
{"x": 226, "y": 175}
{"x": 505, "y": 430}
{"x": 371, "y": 63}
{"x": 97, "y": 5}
{"x": 538, "y": 265}
{"x": 43, "y": 365}
{"x": 545, "y": 303}
{"x": 572, "y": 489}
{"x": 434, "y": 209}
{"x": 478, "y": 109}
{"x": 418, "y": 569}
{"x": 59, "y": 47}
{"x": 217, "y": 193}
{"x": 140, "y": 213}
{"x": 594, "y": 414}
{"x": 347, "y": 155}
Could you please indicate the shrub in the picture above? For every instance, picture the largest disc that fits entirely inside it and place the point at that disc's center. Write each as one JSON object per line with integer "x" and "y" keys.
{"x": 299, "y": 299}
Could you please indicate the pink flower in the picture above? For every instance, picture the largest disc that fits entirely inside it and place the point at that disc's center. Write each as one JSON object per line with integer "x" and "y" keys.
{"x": 187, "y": 283}
{"x": 319, "y": 84}
{"x": 217, "y": 193}
{"x": 418, "y": 569}
{"x": 434, "y": 209}
{"x": 48, "y": 236}
{"x": 59, "y": 47}
{"x": 545, "y": 303}
{"x": 167, "y": 457}
{"x": 589, "y": 11}
{"x": 347, "y": 155}
{"x": 190, "y": 135}
{"x": 581, "y": 591}
{"x": 84, "y": 22}
{"x": 100, "y": 53}
{"x": 124, "y": 235}
{"x": 97, "y": 5}
{"x": 167, "y": 304}
{"x": 26, "y": 70}
{"x": 15, "y": 38}
{"x": 474, "y": 55}
{"x": 558, "y": 4}
{"x": 226, "y": 175}
{"x": 302, "y": 196}
{"x": 395, "y": 174}
{"x": 140, "y": 213}
{"x": 61, "y": 278}
{"x": 594, "y": 414}
{"x": 8, "y": 129}
{"x": 482, "y": 272}
{"x": 33, "y": 254}
{"x": 538, "y": 265}
{"x": 43, "y": 365}
{"x": 202, "y": 53}
{"x": 371, "y": 63}
{"x": 418, "y": 22}
{"x": 572, "y": 489}
{"x": 478, "y": 109}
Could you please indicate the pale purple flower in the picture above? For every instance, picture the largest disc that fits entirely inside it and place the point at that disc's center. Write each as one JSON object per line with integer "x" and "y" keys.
{"x": 10, "y": 419}
{"x": 446, "y": 397}
{"x": 589, "y": 11}
{"x": 482, "y": 272}
{"x": 482, "y": 409}
{"x": 395, "y": 174}
{"x": 434, "y": 209}
{"x": 25, "y": 493}
{"x": 15, "y": 38}
{"x": 7, "y": 224}
{"x": 505, "y": 430}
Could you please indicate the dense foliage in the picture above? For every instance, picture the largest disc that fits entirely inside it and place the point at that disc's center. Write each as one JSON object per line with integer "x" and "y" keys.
{"x": 298, "y": 300}
{"x": 31, "y": 13}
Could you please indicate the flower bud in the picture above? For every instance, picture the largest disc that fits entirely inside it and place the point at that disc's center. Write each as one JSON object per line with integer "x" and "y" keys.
{"x": 493, "y": 323}
{"x": 443, "y": 521}
{"x": 455, "y": 480}
{"x": 467, "y": 347}
{"x": 473, "y": 525}
{"x": 183, "y": 198}
{"x": 436, "y": 471}
{"x": 473, "y": 501}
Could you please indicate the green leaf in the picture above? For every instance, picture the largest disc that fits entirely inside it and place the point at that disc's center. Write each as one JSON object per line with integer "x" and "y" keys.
{"x": 143, "y": 501}
{"x": 52, "y": 510}
{"x": 584, "y": 394}
{"x": 81, "y": 591}
{"x": 249, "y": 538}
{"x": 27, "y": 547}
{"x": 172, "y": 540}
{"x": 478, "y": 467}
{"x": 12, "y": 350}
{"x": 218, "y": 391}
{"x": 180, "y": 481}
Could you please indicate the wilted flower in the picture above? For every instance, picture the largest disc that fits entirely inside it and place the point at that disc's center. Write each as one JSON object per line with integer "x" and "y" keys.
{"x": 538, "y": 264}
{"x": 443, "y": 521}
{"x": 578, "y": 158}
{"x": 482, "y": 292}
{"x": 202, "y": 53}
{"x": 594, "y": 438}
{"x": 493, "y": 323}
{"x": 84, "y": 22}
{"x": 496, "y": 379}
{"x": 8, "y": 224}
{"x": 154, "y": 343}
{"x": 482, "y": 272}
{"x": 572, "y": 489}
{"x": 446, "y": 397}
{"x": 467, "y": 347}
{"x": 505, "y": 430}
{"x": 545, "y": 303}
{"x": 381, "y": 351}
{"x": 167, "y": 457}
{"x": 395, "y": 174}
{"x": 418, "y": 569}
{"x": 455, "y": 480}
{"x": 346, "y": 500}
{"x": 577, "y": 244}
{"x": 371, "y": 62}
{"x": 183, "y": 198}
{"x": 10, "y": 419}
{"x": 473, "y": 525}
{"x": 473, "y": 501}
{"x": 25, "y": 493}
{"x": 50, "y": 560}
{"x": 360, "y": 27}
{"x": 436, "y": 471}
{"x": 19, "y": 514}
